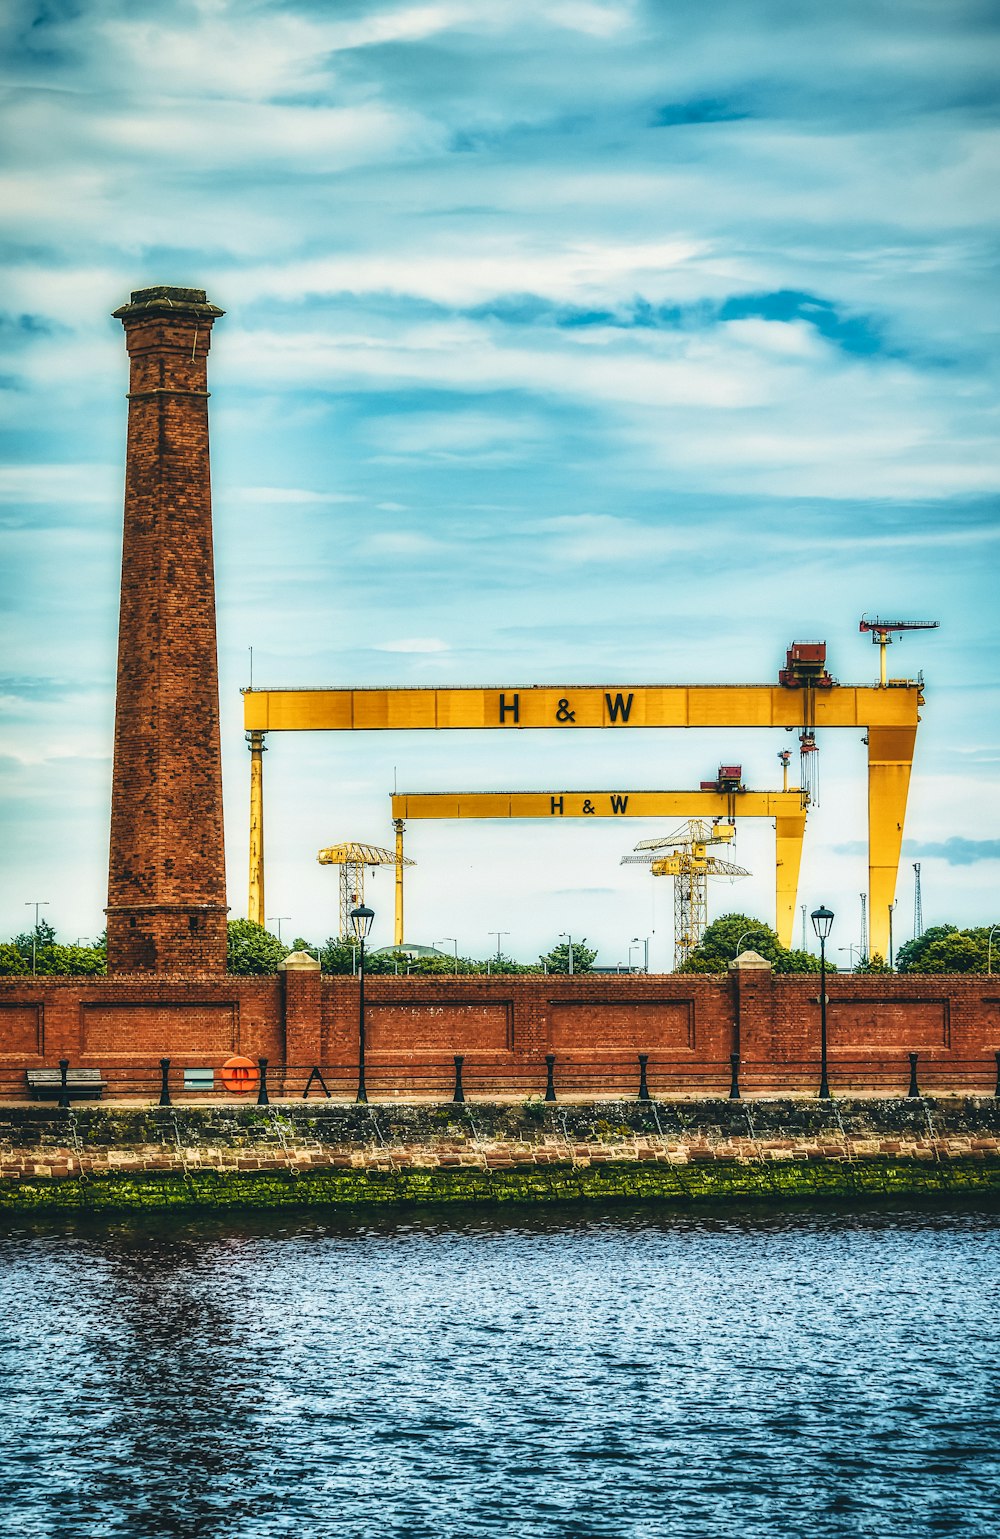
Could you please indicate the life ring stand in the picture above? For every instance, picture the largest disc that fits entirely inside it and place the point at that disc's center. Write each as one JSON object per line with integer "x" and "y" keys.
{"x": 240, "y": 1076}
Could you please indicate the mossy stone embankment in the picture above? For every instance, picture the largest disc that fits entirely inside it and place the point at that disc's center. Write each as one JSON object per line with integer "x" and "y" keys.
{"x": 678, "y": 1186}
{"x": 232, "y": 1155}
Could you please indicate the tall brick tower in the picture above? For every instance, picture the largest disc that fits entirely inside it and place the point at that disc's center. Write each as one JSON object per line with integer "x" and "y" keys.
{"x": 166, "y": 879}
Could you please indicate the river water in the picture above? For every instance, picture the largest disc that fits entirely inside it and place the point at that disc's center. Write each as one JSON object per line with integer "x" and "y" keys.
{"x": 580, "y": 1373}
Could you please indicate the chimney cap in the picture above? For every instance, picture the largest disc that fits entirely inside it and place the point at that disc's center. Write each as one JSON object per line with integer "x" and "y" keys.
{"x": 164, "y": 300}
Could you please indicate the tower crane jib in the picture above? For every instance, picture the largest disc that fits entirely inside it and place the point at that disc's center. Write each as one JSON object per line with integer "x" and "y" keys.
{"x": 353, "y": 860}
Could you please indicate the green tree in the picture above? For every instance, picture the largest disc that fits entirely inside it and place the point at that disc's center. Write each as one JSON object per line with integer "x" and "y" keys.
{"x": 728, "y": 935}
{"x": 799, "y": 962}
{"x": 13, "y": 962}
{"x": 44, "y": 935}
{"x": 506, "y": 964}
{"x": 71, "y": 962}
{"x": 911, "y": 954}
{"x": 309, "y": 947}
{"x": 963, "y": 951}
{"x": 557, "y": 960}
{"x": 731, "y": 934}
{"x": 338, "y": 954}
{"x": 50, "y": 958}
{"x": 873, "y": 964}
{"x": 252, "y": 949}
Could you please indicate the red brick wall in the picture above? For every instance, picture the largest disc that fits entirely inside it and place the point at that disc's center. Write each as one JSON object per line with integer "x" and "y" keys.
{"x": 505, "y": 1026}
{"x": 166, "y": 880}
{"x": 138, "y": 1020}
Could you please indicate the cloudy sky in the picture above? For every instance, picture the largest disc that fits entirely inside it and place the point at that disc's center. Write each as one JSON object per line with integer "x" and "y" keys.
{"x": 566, "y": 341}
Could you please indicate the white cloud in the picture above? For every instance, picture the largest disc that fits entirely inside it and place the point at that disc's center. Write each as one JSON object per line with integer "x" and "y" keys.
{"x": 277, "y": 495}
{"x": 672, "y": 498}
{"x": 57, "y": 484}
{"x": 413, "y": 644}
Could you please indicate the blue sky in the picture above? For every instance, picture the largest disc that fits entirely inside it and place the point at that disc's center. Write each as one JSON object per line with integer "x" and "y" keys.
{"x": 564, "y": 341}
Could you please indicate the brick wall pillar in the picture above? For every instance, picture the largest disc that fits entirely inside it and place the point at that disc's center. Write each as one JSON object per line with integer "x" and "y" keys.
{"x": 303, "y": 1010}
{"x": 166, "y": 880}
{"x": 745, "y": 974}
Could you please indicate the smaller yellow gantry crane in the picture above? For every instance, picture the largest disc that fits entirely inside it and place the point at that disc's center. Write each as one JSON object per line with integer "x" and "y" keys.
{"x": 684, "y": 856}
{"x": 352, "y": 860}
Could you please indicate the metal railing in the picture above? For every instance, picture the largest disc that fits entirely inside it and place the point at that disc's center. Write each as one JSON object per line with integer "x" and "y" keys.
{"x": 463, "y": 1076}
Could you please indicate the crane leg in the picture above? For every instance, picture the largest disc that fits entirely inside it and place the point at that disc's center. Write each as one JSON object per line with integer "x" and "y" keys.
{"x": 789, "y": 833}
{"x": 398, "y": 928}
{"x": 255, "y": 898}
{"x": 890, "y": 760}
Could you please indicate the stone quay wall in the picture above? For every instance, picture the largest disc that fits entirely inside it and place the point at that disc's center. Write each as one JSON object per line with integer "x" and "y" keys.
{"x": 594, "y": 1027}
{"x": 102, "y": 1158}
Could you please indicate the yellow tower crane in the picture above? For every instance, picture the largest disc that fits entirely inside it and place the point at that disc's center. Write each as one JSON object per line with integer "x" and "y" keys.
{"x": 684, "y": 856}
{"x": 352, "y": 860}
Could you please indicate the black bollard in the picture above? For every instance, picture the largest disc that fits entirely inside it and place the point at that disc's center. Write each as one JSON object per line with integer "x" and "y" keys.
{"x": 996, "y": 1093}
{"x": 734, "y": 1076}
{"x": 459, "y": 1092}
{"x": 63, "y": 1085}
{"x": 164, "y": 1083}
{"x": 644, "y": 1094}
{"x": 914, "y": 1091}
{"x": 262, "y": 1099}
{"x": 550, "y": 1081}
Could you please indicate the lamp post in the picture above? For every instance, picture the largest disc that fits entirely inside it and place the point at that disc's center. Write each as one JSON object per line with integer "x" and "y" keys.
{"x": 645, "y": 953}
{"x": 565, "y": 935}
{"x": 822, "y": 919}
{"x": 455, "y": 944}
{"x": 634, "y": 947}
{"x": 851, "y": 949}
{"x": 891, "y": 907}
{"x": 989, "y": 950}
{"x": 276, "y": 919}
{"x": 36, "y": 904}
{"x": 739, "y": 943}
{"x": 361, "y": 921}
{"x": 498, "y": 934}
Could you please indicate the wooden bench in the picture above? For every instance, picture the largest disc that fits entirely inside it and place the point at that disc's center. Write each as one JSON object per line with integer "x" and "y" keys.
{"x": 82, "y": 1084}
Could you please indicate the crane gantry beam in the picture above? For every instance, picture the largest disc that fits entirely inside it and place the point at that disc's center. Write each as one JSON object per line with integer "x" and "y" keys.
{"x": 787, "y": 808}
{"x": 887, "y": 717}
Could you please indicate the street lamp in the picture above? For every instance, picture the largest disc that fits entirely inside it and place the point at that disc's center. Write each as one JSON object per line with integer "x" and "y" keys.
{"x": 276, "y": 919}
{"x": 361, "y": 922}
{"x": 565, "y": 935}
{"x": 739, "y": 943}
{"x": 645, "y": 955}
{"x": 822, "y": 919}
{"x": 851, "y": 949}
{"x": 498, "y": 934}
{"x": 989, "y": 950}
{"x": 455, "y": 944}
{"x": 36, "y": 904}
{"x": 891, "y": 907}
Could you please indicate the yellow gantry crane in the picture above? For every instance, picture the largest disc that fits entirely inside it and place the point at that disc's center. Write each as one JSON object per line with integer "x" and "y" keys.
{"x": 723, "y": 798}
{"x": 684, "y": 856}
{"x": 805, "y": 698}
{"x": 353, "y": 860}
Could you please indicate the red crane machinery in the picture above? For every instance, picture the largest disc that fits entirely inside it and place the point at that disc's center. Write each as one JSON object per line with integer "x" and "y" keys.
{"x": 805, "y": 668}
{"x": 881, "y": 634}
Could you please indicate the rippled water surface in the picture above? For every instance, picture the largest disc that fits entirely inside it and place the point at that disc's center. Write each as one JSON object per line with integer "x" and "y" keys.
{"x": 587, "y": 1374}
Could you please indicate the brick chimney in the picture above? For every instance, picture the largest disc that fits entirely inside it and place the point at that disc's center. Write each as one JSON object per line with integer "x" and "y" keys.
{"x": 166, "y": 879}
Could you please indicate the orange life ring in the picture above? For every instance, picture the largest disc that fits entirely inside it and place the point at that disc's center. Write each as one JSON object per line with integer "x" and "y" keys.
{"x": 240, "y": 1076}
